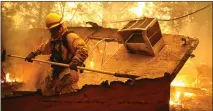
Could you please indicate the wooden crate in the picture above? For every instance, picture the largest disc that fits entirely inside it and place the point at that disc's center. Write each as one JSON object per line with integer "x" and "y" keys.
{"x": 141, "y": 36}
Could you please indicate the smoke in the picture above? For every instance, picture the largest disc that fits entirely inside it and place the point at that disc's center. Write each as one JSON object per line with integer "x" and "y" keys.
{"x": 198, "y": 70}
{"x": 31, "y": 74}
{"x": 21, "y": 41}
{"x": 201, "y": 28}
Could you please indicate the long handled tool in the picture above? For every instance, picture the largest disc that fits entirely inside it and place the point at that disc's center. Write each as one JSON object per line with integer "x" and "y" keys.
{"x": 83, "y": 68}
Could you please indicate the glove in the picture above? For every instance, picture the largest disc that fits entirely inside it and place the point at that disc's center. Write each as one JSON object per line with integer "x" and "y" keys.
{"x": 73, "y": 66}
{"x": 30, "y": 57}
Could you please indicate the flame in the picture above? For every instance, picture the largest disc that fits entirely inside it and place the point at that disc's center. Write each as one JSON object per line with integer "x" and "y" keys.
{"x": 176, "y": 100}
{"x": 149, "y": 9}
{"x": 178, "y": 83}
{"x": 188, "y": 94}
{"x": 177, "y": 96}
{"x": 171, "y": 102}
{"x": 8, "y": 77}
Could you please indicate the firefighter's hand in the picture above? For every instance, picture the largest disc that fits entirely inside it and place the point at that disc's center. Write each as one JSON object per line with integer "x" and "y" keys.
{"x": 30, "y": 57}
{"x": 73, "y": 66}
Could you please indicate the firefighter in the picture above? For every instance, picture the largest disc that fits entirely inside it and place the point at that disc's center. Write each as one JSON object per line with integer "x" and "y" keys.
{"x": 64, "y": 47}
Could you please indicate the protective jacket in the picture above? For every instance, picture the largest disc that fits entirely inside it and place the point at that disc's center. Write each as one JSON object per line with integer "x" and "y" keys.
{"x": 69, "y": 48}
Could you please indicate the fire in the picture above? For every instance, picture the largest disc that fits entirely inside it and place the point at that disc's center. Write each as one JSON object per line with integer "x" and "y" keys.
{"x": 179, "y": 94}
{"x": 8, "y": 78}
{"x": 178, "y": 83}
{"x": 177, "y": 97}
{"x": 149, "y": 9}
{"x": 188, "y": 94}
{"x": 171, "y": 102}
{"x": 176, "y": 100}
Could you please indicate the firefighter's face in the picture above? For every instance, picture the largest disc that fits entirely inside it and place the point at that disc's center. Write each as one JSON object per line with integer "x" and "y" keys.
{"x": 55, "y": 31}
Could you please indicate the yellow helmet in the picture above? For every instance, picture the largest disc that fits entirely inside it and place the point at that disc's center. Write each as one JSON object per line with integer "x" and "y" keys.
{"x": 52, "y": 20}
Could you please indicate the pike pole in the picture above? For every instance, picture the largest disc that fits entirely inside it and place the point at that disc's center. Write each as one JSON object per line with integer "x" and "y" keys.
{"x": 123, "y": 75}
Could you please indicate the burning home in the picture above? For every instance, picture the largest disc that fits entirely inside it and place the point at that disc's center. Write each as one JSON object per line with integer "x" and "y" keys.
{"x": 134, "y": 66}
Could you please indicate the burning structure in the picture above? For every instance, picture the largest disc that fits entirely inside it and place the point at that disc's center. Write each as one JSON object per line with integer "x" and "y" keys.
{"x": 127, "y": 50}
{"x": 144, "y": 51}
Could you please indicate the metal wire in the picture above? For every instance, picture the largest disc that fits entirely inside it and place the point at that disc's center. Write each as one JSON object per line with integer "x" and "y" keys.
{"x": 104, "y": 54}
{"x": 186, "y": 14}
{"x": 110, "y": 57}
{"x": 166, "y": 19}
{"x": 96, "y": 45}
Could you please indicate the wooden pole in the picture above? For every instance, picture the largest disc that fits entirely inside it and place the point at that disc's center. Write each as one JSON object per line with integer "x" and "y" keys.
{"x": 82, "y": 68}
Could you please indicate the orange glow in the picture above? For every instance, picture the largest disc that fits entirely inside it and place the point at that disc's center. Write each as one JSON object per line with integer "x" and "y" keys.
{"x": 7, "y": 4}
{"x": 92, "y": 64}
{"x": 139, "y": 9}
{"x": 8, "y": 78}
{"x": 148, "y": 9}
{"x": 177, "y": 95}
{"x": 178, "y": 83}
{"x": 67, "y": 16}
{"x": 176, "y": 100}
{"x": 71, "y": 5}
{"x": 18, "y": 19}
{"x": 171, "y": 102}
{"x": 188, "y": 94}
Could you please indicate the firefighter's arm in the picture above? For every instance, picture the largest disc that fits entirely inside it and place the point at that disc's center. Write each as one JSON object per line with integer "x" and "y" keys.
{"x": 44, "y": 48}
{"x": 78, "y": 46}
